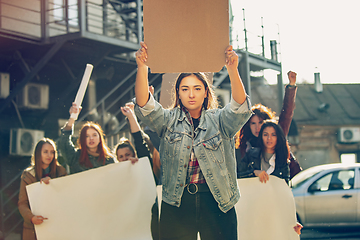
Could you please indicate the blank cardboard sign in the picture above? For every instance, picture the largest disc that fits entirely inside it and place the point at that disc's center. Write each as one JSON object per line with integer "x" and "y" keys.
{"x": 186, "y": 35}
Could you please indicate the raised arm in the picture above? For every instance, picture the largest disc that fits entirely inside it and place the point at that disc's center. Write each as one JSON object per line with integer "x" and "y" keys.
{"x": 128, "y": 111}
{"x": 65, "y": 145}
{"x": 237, "y": 87}
{"x": 141, "y": 84}
{"x": 288, "y": 107}
{"x": 71, "y": 121}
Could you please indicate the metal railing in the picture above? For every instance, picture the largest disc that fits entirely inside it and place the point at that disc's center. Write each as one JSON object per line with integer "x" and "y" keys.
{"x": 42, "y": 19}
{"x": 7, "y": 210}
{"x": 113, "y": 135}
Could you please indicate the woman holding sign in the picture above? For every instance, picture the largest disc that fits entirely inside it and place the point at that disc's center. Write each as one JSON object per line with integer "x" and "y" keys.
{"x": 92, "y": 150}
{"x": 271, "y": 158}
{"x": 196, "y": 151}
{"x": 247, "y": 137}
{"x": 44, "y": 166}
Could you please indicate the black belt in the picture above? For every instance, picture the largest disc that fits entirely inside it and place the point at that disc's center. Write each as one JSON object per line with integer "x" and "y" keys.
{"x": 193, "y": 188}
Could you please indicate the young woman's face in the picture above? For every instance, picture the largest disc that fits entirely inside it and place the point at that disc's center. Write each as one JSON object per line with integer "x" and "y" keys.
{"x": 269, "y": 138}
{"x": 192, "y": 93}
{"x": 92, "y": 139}
{"x": 123, "y": 154}
{"x": 255, "y": 125}
{"x": 47, "y": 155}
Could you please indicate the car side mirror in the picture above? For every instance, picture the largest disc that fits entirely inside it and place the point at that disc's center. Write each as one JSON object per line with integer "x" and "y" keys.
{"x": 314, "y": 188}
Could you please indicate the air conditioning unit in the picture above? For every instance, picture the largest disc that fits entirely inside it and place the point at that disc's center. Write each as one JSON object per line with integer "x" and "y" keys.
{"x": 23, "y": 141}
{"x": 349, "y": 134}
{"x": 4, "y": 85}
{"x": 35, "y": 96}
{"x": 223, "y": 96}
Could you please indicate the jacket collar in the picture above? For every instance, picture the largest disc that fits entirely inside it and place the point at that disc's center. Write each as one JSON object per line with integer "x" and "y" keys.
{"x": 185, "y": 115}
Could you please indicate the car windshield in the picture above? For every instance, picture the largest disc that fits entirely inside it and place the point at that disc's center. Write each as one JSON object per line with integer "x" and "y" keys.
{"x": 304, "y": 175}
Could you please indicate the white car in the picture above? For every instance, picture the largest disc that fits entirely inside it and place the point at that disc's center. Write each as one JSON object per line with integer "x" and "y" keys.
{"x": 328, "y": 195}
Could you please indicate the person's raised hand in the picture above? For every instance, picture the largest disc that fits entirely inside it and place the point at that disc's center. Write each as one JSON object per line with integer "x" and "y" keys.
{"x": 151, "y": 89}
{"x": 127, "y": 111}
{"x": 130, "y": 105}
{"x": 231, "y": 58}
{"x": 75, "y": 108}
{"x": 263, "y": 176}
{"x": 292, "y": 77}
{"x": 141, "y": 55}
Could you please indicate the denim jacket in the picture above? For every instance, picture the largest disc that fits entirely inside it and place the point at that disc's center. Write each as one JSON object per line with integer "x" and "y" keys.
{"x": 213, "y": 144}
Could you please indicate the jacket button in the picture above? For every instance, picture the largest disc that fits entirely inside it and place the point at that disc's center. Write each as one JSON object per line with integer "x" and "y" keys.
{"x": 185, "y": 166}
{"x": 188, "y": 147}
{"x": 181, "y": 185}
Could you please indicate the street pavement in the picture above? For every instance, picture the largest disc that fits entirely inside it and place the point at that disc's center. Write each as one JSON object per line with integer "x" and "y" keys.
{"x": 330, "y": 233}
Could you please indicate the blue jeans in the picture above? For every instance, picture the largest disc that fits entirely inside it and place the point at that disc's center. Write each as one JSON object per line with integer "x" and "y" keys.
{"x": 198, "y": 212}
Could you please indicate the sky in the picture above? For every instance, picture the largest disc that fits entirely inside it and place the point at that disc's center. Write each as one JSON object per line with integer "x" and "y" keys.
{"x": 314, "y": 35}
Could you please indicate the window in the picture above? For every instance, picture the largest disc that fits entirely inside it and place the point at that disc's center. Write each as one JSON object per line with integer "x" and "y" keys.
{"x": 66, "y": 11}
{"x": 338, "y": 180}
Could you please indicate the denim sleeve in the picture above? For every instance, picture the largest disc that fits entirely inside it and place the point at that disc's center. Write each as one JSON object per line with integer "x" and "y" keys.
{"x": 149, "y": 106}
{"x": 237, "y": 107}
{"x": 234, "y": 116}
{"x": 154, "y": 115}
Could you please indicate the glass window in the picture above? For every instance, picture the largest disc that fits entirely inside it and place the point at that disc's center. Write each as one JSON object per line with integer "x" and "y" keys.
{"x": 60, "y": 12}
{"x": 338, "y": 180}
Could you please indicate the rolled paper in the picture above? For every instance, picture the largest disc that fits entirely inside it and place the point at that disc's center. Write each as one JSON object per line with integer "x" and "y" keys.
{"x": 82, "y": 89}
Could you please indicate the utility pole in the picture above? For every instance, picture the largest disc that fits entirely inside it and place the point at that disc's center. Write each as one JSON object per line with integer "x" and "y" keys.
{"x": 262, "y": 38}
{"x": 246, "y": 46}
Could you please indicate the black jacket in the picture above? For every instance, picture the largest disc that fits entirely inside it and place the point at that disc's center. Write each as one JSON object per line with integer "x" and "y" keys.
{"x": 252, "y": 161}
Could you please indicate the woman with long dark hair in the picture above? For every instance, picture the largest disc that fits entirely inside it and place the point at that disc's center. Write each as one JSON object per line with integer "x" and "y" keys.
{"x": 271, "y": 157}
{"x": 44, "y": 166}
{"x": 247, "y": 137}
{"x": 199, "y": 186}
{"x": 92, "y": 150}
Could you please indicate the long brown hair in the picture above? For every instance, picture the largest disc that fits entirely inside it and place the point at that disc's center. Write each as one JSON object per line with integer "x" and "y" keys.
{"x": 282, "y": 149}
{"x": 210, "y": 101}
{"x": 36, "y": 160}
{"x": 245, "y": 133}
{"x": 103, "y": 149}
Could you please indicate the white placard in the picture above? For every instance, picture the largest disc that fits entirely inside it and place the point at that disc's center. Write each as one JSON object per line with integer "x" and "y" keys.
{"x": 110, "y": 202}
{"x": 266, "y": 210}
